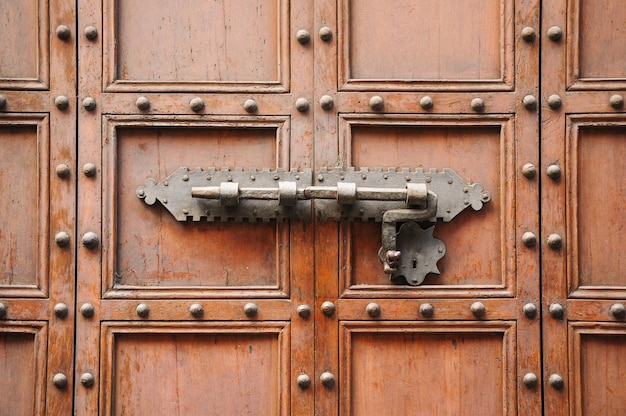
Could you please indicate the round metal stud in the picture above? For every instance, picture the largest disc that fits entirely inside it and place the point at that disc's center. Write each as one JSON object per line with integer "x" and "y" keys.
{"x": 556, "y": 310}
{"x": 530, "y": 380}
{"x": 616, "y": 101}
{"x": 302, "y": 105}
{"x": 62, "y": 102}
{"x": 554, "y": 101}
{"x": 3, "y": 101}
{"x": 529, "y": 239}
{"x": 63, "y": 32}
{"x": 142, "y": 310}
{"x": 90, "y": 240}
{"x": 89, "y": 104}
{"x": 325, "y": 33}
{"x": 251, "y": 310}
{"x": 373, "y": 310}
{"x": 143, "y": 103}
{"x": 426, "y": 102}
{"x": 87, "y": 310}
{"x": 529, "y": 170}
{"x": 87, "y": 379}
{"x": 530, "y": 310}
{"x": 303, "y": 36}
{"x": 377, "y": 103}
{"x": 61, "y": 310}
{"x": 478, "y": 309}
{"x": 60, "y": 381}
{"x": 89, "y": 169}
{"x": 250, "y": 106}
{"x": 327, "y": 379}
{"x": 303, "y": 381}
{"x": 327, "y": 102}
{"x": 478, "y": 105}
{"x": 62, "y": 239}
{"x": 555, "y": 241}
{"x": 304, "y": 311}
{"x": 618, "y": 311}
{"x": 556, "y": 381}
{"x": 91, "y": 32}
{"x": 63, "y": 170}
{"x": 328, "y": 308}
{"x": 553, "y": 171}
{"x": 555, "y": 33}
{"x": 3, "y": 310}
{"x": 528, "y": 34}
{"x": 196, "y": 310}
{"x": 426, "y": 310}
{"x": 196, "y": 104}
{"x": 529, "y": 102}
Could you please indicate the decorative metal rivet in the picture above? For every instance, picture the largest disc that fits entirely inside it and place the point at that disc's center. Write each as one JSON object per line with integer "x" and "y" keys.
{"x": 303, "y": 36}
{"x": 617, "y": 101}
{"x": 63, "y": 170}
{"x": 251, "y": 310}
{"x": 90, "y": 240}
{"x": 325, "y": 33}
{"x": 327, "y": 379}
{"x": 529, "y": 170}
{"x": 377, "y": 103}
{"x": 478, "y": 309}
{"x": 373, "y": 309}
{"x": 62, "y": 102}
{"x": 89, "y": 169}
{"x": 556, "y": 310}
{"x": 530, "y": 380}
{"x": 196, "y": 310}
{"x": 142, "y": 310}
{"x": 528, "y": 34}
{"x": 63, "y": 32}
{"x": 61, "y": 310}
{"x": 3, "y": 101}
{"x": 530, "y": 310}
{"x": 62, "y": 239}
{"x": 426, "y": 310}
{"x": 327, "y": 102}
{"x": 89, "y": 103}
{"x": 618, "y": 311}
{"x": 302, "y": 104}
{"x": 478, "y": 105}
{"x": 555, "y": 33}
{"x": 303, "y": 381}
{"x": 250, "y": 106}
{"x": 553, "y": 171}
{"x": 196, "y": 104}
{"x": 87, "y": 379}
{"x": 304, "y": 311}
{"x": 91, "y": 32}
{"x": 555, "y": 241}
{"x": 426, "y": 102}
{"x": 529, "y": 102}
{"x": 142, "y": 103}
{"x": 328, "y": 308}
{"x": 554, "y": 101}
{"x": 60, "y": 381}
{"x": 556, "y": 381}
{"x": 529, "y": 239}
{"x": 3, "y": 310}
{"x": 87, "y": 310}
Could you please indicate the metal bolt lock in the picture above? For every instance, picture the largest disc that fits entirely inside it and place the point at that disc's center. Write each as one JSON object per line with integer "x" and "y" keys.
{"x": 555, "y": 241}
{"x": 89, "y": 169}
{"x": 377, "y": 103}
{"x": 553, "y": 171}
{"x": 87, "y": 379}
{"x": 618, "y": 311}
{"x": 426, "y": 102}
{"x": 373, "y": 310}
{"x": 478, "y": 105}
{"x": 529, "y": 102}
{"x": 196, "y": 310}
{"x": 90, "y": 240}
{"x": 325, "y": 33}
{"x": 142, "y": 310}
{"x": 89, "y": 104}
{"x": 556, "y": 310}
{"x": 62, "y": 239}
{"x": 3, "y": 101}
{"x": 62, "y": 102}
{"x": 303, "y": 36}
{"x": 556, "y": 381}
{"x": 142, "y": 103}
{"x": 529, "y": 170}
{"x": 302, "y": 105}
{"x": 530, "y": 380}
{"x": 251, "y": 310}
{"x": 426, "y": 310}
{"x": 303, "y": 381}
{"x": 63, "y": 32}
{"x": 616, "y": 101}
{"x": 555, "y": 33}
{"x": 91, "y": 32}
{"x": 304, "y": 311}
{"x": 528, "y": 34}
{"x": 327, "y": 102}
{"x": 87, "y": 310}
{"x": 63, "y": 170}
{"x": 327, "y": 379}
{"x": 529, "y": 239}
{"x": 60, "y": 381}
{"x": 61, "y": 310}
{"x": 328, "y": 308}
{"x": 250, "y": 106}
{"x": 478, "y": 309}
{"x": 3, "y": 310}
{"x": 530, "y": 310}
{"x": 554, "y": 101}
{"x": 196, "y": 104}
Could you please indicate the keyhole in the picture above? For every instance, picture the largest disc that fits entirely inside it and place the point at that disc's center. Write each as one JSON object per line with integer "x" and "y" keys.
{"x": 415, "y": 263}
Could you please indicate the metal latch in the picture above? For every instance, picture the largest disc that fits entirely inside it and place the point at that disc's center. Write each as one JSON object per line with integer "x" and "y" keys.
{"x": 401, "y": 200}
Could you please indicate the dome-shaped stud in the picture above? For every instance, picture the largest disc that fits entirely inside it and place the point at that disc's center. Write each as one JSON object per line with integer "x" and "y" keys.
{"x": 90, "y": 240}
{"x": 553, "y": 171}
{"x": 62, "y": 239}
{"x": 87, "y": 379}
{"x": 618, "y": 311}
{"x": 377, "y": 103}
{"x": 250, "y": 106}
{"x": 328, "y": 308}
{"x": 91, "y": 32}
{"x": 529, "y": 170}
{"x": 303, "y": 381}
{"x": 63, "y": 32}
{"x": 303, "y": 36}
{"x": 530, "y": 310}
{"x": 529, "y": 102}
{"x": 304, "y": 311}
{"x": 62, "y": 102}
{"x": 327, "y": 102}
{"x": 478, "y": 105}
{"x": 426, "y": 102}
{"x": 554, "y": 101}
{"x": 555, "y": 33}
{"x": 3, "y": 101}
{"x": 616, "y": 101}
{"x": 63, "y": 170}
{"x": 554, "y": 241}
{"x": 426, "y": 310}
{"x": 87, "y": 310}
{"x": 196, "y": 104}
{"x": 251, "y": 310}
{"x": 142, "y": 103}
{"x": 89, "y": 104}
{"x": 89, "y": 170}
{"x": 556, "y": 310}
{"x": 325, "y": 33}
{"x": 556, "y": 381}
{"x": 59, "y": 380}
{"x": 528, "y": 34}
{"x": 61, "y": 310}
{"x": 142, "y": 310}
{"x": 530, "y": 380}
{"x": 529, "y": 239}
{"x": 196, "y": 310}
{"x": 373, "y": 310}
{"x": 302, "y": 105}
{"x": 327, "y": 379}
{"x": 3, "y": 310}
{"x": 478, "y": 309}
